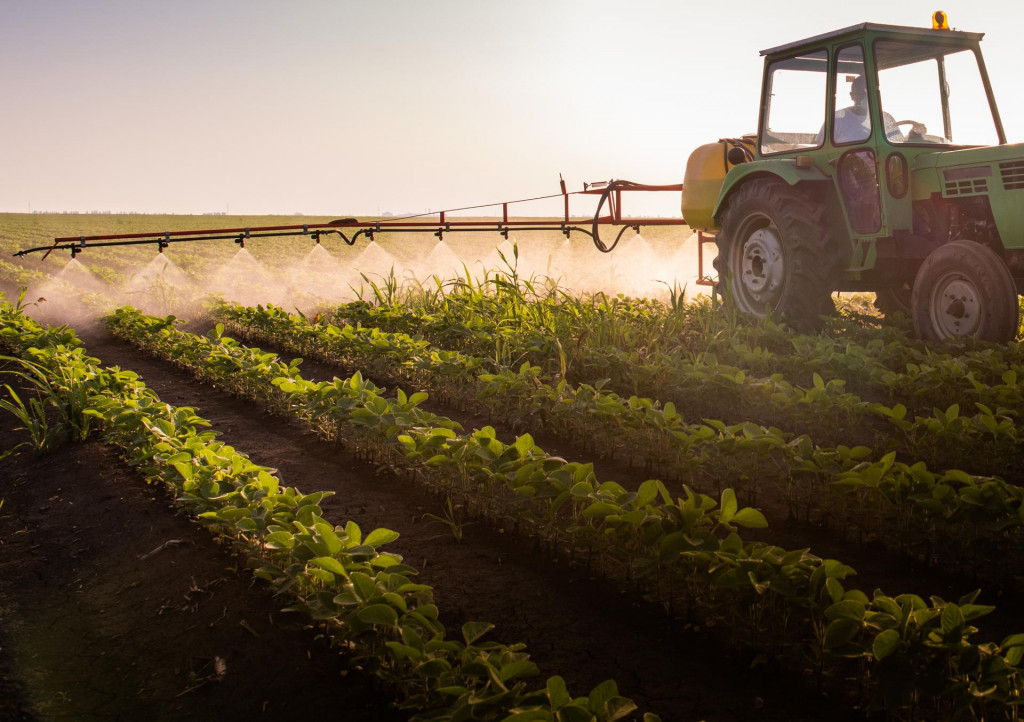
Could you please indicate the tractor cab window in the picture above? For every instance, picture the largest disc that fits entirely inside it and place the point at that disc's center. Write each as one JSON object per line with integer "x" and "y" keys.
{"x": 851, "y": 116}
{"x": 794, "y": 103}
{"x": 935, "y": 93}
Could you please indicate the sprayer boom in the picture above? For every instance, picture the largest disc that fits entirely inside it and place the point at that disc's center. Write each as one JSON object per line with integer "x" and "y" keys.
{"x": 351, "y": 229}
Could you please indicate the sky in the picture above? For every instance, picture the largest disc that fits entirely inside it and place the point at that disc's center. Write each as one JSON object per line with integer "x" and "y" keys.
{"x": 345, "y": 107}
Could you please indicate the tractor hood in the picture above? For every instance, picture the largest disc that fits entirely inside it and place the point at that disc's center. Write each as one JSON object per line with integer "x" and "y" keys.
{"x": 970, "y": 171}
{"x": 993, "y": 172}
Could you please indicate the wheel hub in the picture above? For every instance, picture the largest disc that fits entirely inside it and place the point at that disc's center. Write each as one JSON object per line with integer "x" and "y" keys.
{"x": 762, "y": 268}
{"x": 956, "y": 309}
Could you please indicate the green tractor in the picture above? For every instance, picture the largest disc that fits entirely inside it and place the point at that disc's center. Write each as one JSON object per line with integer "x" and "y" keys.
{"x": 880, "y": 165}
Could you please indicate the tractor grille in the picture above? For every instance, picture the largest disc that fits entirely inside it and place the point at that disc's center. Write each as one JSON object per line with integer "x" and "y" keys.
{"x": 966, "y": 187}
{"x": 1012, "y": 173}
{"x": 967, "y": 181}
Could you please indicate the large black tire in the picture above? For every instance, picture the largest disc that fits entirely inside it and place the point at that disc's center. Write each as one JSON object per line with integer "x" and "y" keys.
{"x": 964, "y": 289}
{"x": 773, "y": 253}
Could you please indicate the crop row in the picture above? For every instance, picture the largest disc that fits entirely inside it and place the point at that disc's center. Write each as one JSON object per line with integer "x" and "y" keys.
{"x": 365, "y": 598}
{"x": 470, "y": 317}
{"x": 21, "y": 276}
{"x": 962, "y": 519}
{"x": 746, "y": 373}
{"x": 686, "y": 550}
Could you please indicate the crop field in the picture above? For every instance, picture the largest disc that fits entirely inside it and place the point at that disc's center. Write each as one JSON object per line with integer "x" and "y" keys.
{"x": 497, "y": 481}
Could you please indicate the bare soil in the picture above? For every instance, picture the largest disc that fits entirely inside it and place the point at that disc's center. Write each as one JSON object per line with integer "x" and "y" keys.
{"x": 114, "y": 605}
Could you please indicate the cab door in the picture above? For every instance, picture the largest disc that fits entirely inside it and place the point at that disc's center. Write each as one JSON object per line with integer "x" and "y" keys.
{"x": 853, "y": 140}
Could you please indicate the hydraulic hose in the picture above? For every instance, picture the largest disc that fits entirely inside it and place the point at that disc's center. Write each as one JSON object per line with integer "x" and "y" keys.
{"x": 615, "y": 185}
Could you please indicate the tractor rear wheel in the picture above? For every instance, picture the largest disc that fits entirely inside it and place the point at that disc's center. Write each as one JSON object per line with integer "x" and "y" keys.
{"x": 772, "y": 253}
{"x": 964, "y": 289}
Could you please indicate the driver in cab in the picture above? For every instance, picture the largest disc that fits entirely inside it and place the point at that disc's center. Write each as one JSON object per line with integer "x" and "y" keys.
{"x": 853, "y": 124}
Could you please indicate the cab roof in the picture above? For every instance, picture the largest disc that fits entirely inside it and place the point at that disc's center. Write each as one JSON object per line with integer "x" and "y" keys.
{"x": 863, "y": 28}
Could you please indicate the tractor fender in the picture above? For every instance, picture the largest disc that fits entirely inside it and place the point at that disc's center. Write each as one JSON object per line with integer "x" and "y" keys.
{"x": 782, "y": 168}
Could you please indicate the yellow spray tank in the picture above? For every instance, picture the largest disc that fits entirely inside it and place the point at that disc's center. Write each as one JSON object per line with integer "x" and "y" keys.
{"x": 705, "y": 174}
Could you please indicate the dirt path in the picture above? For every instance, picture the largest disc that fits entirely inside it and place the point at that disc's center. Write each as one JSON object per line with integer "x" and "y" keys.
{"x": 114, "y": 607}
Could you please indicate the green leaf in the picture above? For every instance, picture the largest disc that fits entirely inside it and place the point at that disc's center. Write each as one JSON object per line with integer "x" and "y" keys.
{"x": 952, "y": 618}
{"x": 472, "y": 631}
{"x": 1013, "y": 649}
{"x": 328, "y": 537}
{"x": 974, "y": 611}
{"x": 846, "y": 609}
{"x": 674, "y": 544}
{"x": 524, "y": 444}
{"x": 330, "y": 564}
{"x": 280, "y": 540}
{"x": 618, "y": 707}
{"x": 885, "y": 643}
{"x": 269, "y": 482}
{"x": 363, "y": 585}
{"x": 377, "y": 537}
{"x": 647, "y": 493}
{"x": 385, "y": 560}
{"x": 558, "y": 693}
{"x": 840, "y": 632}
{"x": 729, "y": 506}
{"x": 381, "y": 614}
{"x": 600, "y": 695}
{"x": 517, "y": 669}
{"x": 732, "y": 544}
{"x": 574, "y": 713}
{"x": 434, "y": 668}
{"x": 354, "y": 533}
{"x": 961, "y": 477}
{"x": 600, "y": 509}
{"x": 835, "y": 589}
{"x": 397, "y": 601}
{"x": 750, "y": 518}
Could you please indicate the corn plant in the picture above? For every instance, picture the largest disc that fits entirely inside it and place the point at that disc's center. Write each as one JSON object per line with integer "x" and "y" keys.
{"x": 32, "y": 415}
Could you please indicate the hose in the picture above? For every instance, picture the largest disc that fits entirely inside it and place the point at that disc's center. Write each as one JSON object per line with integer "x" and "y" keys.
{"x": 594, "y": 232}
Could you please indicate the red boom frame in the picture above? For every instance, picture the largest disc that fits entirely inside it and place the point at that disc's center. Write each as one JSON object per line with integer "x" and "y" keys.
{"x": 610, "y": 193}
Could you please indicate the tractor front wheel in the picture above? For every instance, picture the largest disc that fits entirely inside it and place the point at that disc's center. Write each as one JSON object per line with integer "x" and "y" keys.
{"x": 964, "y": 289}
{"x": 772, "y": 253}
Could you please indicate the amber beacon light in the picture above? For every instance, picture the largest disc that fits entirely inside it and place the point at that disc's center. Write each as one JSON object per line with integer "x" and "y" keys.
{"x": 940, "y": 21}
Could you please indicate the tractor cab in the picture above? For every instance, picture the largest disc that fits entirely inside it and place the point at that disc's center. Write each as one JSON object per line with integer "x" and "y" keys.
{"x": 860, "y": 104}
{"x": 879, "y": 164}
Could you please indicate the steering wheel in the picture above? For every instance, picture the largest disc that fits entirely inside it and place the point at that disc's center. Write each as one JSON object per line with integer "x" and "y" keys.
{"x": 917, "y": 129}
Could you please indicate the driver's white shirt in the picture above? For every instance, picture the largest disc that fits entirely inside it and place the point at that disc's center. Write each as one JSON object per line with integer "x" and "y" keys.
{"x": 851, "y": 127}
